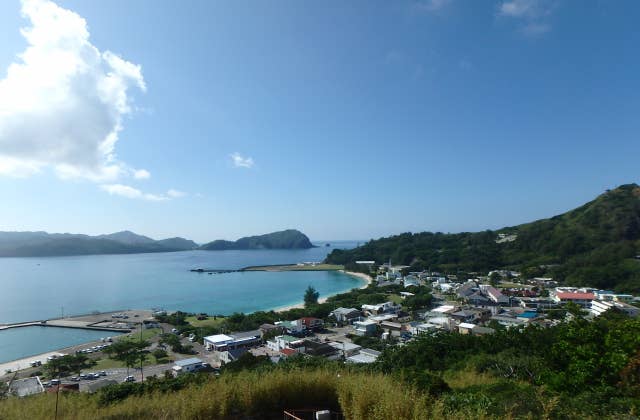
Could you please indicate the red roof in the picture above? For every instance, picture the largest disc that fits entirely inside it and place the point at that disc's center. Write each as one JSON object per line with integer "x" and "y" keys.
{"x": 576, "y": 296}
{"x": 288, "y": 352}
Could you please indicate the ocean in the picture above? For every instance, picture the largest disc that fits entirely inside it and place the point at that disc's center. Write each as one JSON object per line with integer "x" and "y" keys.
{"x": 43, "y": 288}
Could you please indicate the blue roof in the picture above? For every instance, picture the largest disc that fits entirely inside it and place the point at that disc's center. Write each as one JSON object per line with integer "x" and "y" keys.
{"x": 528, "y": 314}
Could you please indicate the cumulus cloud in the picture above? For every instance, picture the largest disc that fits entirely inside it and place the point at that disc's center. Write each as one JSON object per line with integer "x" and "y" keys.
{"x": 240, "y": 161}
{"x": 531, "y": 14}
{"x": 134, "y": 193}
{"x": 63, "y": 100}
{"x": 175, "y": 193}
{"x": 141, "y": 174}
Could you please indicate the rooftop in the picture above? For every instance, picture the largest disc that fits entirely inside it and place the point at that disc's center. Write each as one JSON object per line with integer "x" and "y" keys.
{"x": 187, "y": 362}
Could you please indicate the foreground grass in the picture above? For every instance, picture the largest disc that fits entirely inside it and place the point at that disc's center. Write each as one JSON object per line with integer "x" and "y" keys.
{"x": 245, "y": 395}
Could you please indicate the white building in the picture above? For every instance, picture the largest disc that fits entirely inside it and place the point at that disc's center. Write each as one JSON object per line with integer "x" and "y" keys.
{"x": 187, "y": 365}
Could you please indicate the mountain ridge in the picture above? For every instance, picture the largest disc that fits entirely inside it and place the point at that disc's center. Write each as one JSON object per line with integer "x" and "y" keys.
{"x": 595, "y": 244}
{"x": 284, "y": 239}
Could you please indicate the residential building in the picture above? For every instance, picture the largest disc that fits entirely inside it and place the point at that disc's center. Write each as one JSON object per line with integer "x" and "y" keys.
{"x": 365, "y": 327}
{"x": 26, "y": 387}
{"x": 286, "y": 342}
{"x": 345, "y": 315}
{"x": 187, "y": 365}
{"x": 222, "y": 342}
{"x": 312, "y": 324}
{"x": 346, "y": 349}
{"x": 380, "y": 308}
{"x": 598, "y": 307}
{"x": 364, "y": 356}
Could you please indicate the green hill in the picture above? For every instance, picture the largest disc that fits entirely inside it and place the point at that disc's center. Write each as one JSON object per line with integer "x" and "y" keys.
{"x": 593, "y": 245}
{"x": 43, "y": 244}
{"x": 286, "y": 239}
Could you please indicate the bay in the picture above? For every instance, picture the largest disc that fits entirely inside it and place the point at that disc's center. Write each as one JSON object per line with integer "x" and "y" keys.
{"x": 16, "y": 343}
{"x": 42, "y": 288}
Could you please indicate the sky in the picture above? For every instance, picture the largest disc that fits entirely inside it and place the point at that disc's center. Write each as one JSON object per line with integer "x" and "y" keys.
{"x": 346, "y": 120}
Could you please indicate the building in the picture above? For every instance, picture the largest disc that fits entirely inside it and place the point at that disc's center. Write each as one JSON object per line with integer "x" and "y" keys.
{"x": 232, "y": 355}
{"x": 318, "y": 349}
{"x": 579, "y": 298}
{"x": 26, "y": 387}
{"x": 380, "y": 308}
{"x": 222, "y": 342}
{"x": 494, "y": 294}
{"x": 345, "y": 349}
{"x": 345, "y": 315}
{"x": 364, "y": 356}
{"x": 292, "y": 327}
{"x": 286, "y": 342}
{"x": 598, "y": 307}
{"x": 365, "y": 327}
{"x": 312, "y": 324}
{"x": 187, "y": 365}
{"x": 466, "y": 328}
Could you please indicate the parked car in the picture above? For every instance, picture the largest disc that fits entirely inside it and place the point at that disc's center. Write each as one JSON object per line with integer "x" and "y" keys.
{"x": 129, "y": 378}
{"x": 75, "y": 378}
{"x": 102, "y": 373}
{"x": 55, "y": 382}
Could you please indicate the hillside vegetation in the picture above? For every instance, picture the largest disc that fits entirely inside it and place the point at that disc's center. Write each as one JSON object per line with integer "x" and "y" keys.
{"x": 593, "y": 245}
{"x": 41, "y": 244}
{"x": 285, "y": 239}
{"x": 578, "y": 370}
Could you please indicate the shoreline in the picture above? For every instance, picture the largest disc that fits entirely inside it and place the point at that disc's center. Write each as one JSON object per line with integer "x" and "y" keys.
{"x": 368, "y": 281}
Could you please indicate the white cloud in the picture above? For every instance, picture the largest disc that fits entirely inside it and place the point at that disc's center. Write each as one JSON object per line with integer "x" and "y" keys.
{"x": 531, "y": 14}
{"x": 141, "y": 174}
{"x": 519, "y": 8}
{"x": 175, "y": 193}
{"x": 63, "y": 100}
{"x": 134, "y": 193}
{"x": 432, "y": 5}
{"x": 240, "y": 161}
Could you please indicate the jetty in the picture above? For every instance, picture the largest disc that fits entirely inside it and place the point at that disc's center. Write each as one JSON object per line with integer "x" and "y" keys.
{"x": 103, "y": 321}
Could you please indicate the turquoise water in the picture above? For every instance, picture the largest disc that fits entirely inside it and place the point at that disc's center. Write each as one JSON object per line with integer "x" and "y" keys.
{"x": 17, "y": 343}
{"x": 41, "y": 288}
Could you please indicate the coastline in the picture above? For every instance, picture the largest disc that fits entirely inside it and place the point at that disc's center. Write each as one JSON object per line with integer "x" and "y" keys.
{"x": 368, "y": 280}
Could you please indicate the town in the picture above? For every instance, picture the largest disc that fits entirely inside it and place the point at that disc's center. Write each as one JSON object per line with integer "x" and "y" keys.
{"x": 395, "y": 308}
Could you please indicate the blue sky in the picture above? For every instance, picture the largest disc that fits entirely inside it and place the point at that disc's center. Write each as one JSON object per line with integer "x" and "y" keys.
{"x": 347, "y": 120}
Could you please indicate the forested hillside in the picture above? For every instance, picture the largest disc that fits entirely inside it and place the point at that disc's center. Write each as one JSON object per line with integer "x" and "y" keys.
{"x": 594, "y": 245}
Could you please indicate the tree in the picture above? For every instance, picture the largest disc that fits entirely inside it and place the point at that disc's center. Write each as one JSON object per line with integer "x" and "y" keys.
{"x": 129, "y": 352}
{"x": 159, "y": 354}
{"x": 311, "y": 296}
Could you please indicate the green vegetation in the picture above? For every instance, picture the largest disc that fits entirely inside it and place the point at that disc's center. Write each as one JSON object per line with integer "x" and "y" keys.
{"x": 129, "y": 352}
{"x": 32, "y": 244}
{"x": 68, "y": 364}
{"x": 594, "y": 245}
{"x": 286, "y": 239}
{"x": 311, "y": 296}
{"x": 579, "y": 369}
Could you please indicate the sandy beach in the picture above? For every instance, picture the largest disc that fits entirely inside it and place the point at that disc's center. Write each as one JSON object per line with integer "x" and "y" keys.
{"x": 300, "y": 305}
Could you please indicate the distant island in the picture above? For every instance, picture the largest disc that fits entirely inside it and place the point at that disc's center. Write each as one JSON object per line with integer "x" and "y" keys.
{"x": 285, "y": 239}
{"x": 43, "y": 244}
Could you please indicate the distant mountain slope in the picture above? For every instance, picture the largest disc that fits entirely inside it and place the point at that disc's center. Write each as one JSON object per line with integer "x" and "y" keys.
{"x": 286, "y": 239}
{"x": 127, "y": 237}
{"x": 594, "y": 245}
{"x": 40, "y": 244}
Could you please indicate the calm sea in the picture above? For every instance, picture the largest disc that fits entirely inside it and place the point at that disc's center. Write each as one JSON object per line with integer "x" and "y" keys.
{"x": 41, "y": 288}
